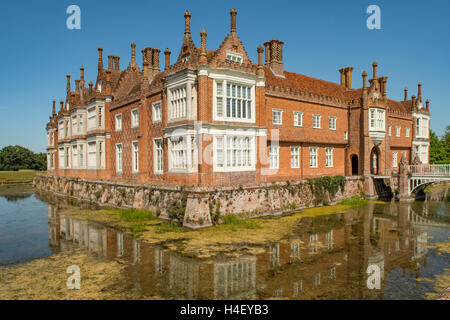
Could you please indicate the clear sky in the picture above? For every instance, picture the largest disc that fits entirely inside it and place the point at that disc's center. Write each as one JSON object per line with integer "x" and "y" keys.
{"x": 37, "y": 49}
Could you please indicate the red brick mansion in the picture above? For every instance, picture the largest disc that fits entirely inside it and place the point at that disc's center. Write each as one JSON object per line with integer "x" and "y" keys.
{"x": 214, "y": 117}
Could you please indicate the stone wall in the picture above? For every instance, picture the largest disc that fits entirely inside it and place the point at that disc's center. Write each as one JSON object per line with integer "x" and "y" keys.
{"x": 196, "y": 206}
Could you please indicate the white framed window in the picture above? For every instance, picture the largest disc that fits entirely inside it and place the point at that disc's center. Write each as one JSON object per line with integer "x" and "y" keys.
{"x": 332, "y": 123}
{"x": 316, "y": 280}
{"x": 345, "y": 135}
{"x": 377, "y": 119}
{"x": 274, "y": 157}
{"x": 298, "y": 288}
{"x": 332, "y": 273}
{"x": 178, "y": 152}
{"x": 298, "y": 119}
{"x": 92, "y": 118}
{"x": 100, "y": 161}
{"x": 277, "y": 116}
{"x": 295, "y": 157}
{"x": 313, "y": 157}
{"x": 178, "y": 102}
{"x": 119, "y": 157}
{"x": 394, "y": 159}
{"x": 234, "y": 153}
{"x": 407, "y": 130}
{"x": 329, "y": 157}
{"x": 81, "y": 156}
{"x": 219, "y": 98}
{"x": 74, "y": 124}
{"x": 158, "y": 155}
{"x": 74, "y": 157}
{"x": 157, "y": 112}
{"x": 390, "y": 130}
{"x": 134, "y": 118}
{"x": 135, "y": 156}
{"x": 316, "y": 121}
{"x": 239, "y": 101}
{"x": 398, "y": 131}
{"x": 92, "y": 155}
{"x": 118, "y": 122}
{"x": 234, "y": 57}
{"x": 100, "y": 116}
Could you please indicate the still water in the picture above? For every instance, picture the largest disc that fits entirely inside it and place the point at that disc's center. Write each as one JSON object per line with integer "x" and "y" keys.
{"x": 325, "y": 257}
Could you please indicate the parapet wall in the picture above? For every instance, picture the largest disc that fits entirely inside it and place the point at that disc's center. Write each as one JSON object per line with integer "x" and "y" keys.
{"x": 197, "y": 206}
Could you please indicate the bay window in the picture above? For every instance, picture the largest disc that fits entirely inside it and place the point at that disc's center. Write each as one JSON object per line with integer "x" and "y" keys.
{"x": 376, "y": 119}
{"x": 233, "y": 101}
{"x": 178, "y": 102}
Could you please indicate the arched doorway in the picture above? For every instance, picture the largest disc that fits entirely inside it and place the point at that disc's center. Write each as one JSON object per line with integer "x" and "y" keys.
{"x": 355, "y": 163}
{"x": 374, "y": 161}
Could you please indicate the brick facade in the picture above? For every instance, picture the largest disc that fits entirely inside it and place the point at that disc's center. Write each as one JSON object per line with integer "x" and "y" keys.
{"x": 216, "y": 123}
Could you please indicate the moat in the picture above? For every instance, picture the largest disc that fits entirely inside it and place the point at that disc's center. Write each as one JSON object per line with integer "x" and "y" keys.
{"x": 322, "y": 257}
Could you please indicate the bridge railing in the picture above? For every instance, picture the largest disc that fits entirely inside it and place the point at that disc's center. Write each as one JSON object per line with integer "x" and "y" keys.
{"x": 429, "y": 170}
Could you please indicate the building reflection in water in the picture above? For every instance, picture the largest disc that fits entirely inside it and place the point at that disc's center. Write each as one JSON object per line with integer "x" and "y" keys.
{"x": 325, "y": 258}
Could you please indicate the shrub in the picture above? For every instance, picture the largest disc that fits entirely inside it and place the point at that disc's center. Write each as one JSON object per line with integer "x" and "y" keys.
{"x": 133, "y": 215}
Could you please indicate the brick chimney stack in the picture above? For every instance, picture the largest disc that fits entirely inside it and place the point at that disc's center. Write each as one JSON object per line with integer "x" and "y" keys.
{"x": 274, "y": 56}
{"x": 167, "y": 58}
{"x": 100, "y": 58}
{"x": 155, "y": 61}
{"x": 406, "y": 94}
{"x": 427, "y": 104}
{"x": 374, "y": 68}
{"x": 68, "y": 82}
{"x": 346, "y": 77}
{"x": 203, "y": 59}
{"x": 116, "y": 63}
{"x": 110, "y": 62}
{"x": 233, "y": 14}
{"x": 54, "y": 108}
{"x": 90, "y": 86}
{"x": 413, "y": 99}
{"x": 77, "y": 85}
{"x": 419, "y": 92}
{"x": 260, "y": 72}
{"x": 364, "y": 78}
{"x": 145, "y": 71}
{"x": 82, "y": 77}
{"x": 61, "y": 105}
{"x": 187, "y": 23}
{"x": 383, "y": 81}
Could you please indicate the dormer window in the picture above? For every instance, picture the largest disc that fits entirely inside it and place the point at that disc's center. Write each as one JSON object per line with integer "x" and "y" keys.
{"x": 185, "y": 58}
{"x": 234, "y": 57}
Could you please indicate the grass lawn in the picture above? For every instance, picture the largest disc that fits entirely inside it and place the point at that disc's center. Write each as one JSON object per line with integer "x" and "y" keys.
{"x": 8, "y": 177}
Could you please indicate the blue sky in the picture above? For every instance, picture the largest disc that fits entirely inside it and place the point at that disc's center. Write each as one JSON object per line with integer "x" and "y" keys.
{"x": 37, "y": 50}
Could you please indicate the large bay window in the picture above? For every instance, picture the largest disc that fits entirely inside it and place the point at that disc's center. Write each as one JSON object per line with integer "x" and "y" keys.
{"x": 92, "y": 118}
{"x": 178, "y": 102}
{"x": 182, "y": 153}
{"x": 234, "y": 153}
{"x": 422, "y": 127}
{"x": 377, "y": 119}
{"x": 234, "y": 101}
{"x": 92, "y": 155}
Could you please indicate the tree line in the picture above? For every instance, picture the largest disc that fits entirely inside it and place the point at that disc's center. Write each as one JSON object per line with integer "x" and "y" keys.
{"x": 13, "y": 158}
{"x": 440, "y": 147}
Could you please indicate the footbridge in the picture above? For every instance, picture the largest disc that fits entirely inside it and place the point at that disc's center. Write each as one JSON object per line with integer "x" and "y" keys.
{"x": 424, "y": 174}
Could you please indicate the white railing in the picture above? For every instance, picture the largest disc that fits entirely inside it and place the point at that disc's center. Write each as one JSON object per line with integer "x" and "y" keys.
{"x": 429, "y": 170}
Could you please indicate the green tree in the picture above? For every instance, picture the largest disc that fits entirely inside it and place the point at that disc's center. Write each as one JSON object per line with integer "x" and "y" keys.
{"x": 437, "y": 150}
{"x": 446, "y": 142}
{"x": 17, "y": 158}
